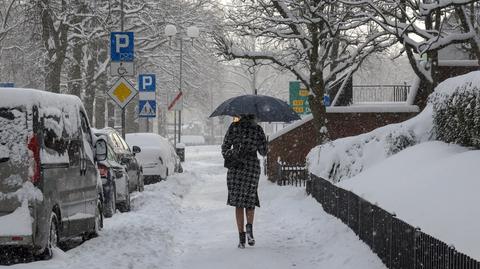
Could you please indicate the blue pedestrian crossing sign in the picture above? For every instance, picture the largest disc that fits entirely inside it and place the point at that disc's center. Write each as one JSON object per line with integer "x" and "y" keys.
{"x": 147, "y": 108}
{"x": 121, "y": 46}
{"x": 147, "y": 98}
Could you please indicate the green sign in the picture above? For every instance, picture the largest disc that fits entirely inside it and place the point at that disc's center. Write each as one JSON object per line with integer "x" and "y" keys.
{"x": 299, "y": 98}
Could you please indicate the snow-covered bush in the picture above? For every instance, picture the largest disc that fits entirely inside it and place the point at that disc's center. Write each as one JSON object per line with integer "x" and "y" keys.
{"x": 346, "y": 157}
{"x": 456, "y": 115}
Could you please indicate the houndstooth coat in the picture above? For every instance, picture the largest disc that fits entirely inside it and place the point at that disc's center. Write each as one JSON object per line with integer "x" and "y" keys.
{"x": 245, "y": 137}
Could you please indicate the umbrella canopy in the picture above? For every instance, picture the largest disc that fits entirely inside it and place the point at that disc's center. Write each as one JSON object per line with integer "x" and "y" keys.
{"x": 265, "y": 108}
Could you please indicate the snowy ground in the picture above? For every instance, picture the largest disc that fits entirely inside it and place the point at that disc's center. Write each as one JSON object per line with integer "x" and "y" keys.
{"x": 432, "y": 185}
{"x": 184, "y": 223}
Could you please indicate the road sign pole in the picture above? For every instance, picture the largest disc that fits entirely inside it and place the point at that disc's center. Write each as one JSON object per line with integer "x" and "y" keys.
{"x": 179, "y": 125}
{"x": 174, "y": 126}
{"x": 121, "y": 29}
{"x": 181, "y": 73}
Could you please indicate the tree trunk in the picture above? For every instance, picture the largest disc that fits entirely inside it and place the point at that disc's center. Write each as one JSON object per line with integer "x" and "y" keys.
{"x": 75, "y": 72}
{"x": 53, "y": 71}
{"x": 101, "y": 88}
{"x": 131, "y": 122}
{"x": 90, "y": 84}
{"x": 317, "y": 89}
{"x": 111, "y": 112}
{"x": 55, "y": 41}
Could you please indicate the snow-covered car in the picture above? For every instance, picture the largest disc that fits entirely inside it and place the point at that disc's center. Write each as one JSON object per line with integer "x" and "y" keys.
{"x": 158, "y": 157}
{"x": 115, "y": 182}
{"x": 49, "y": 182}
{"x": 125, "y": 155}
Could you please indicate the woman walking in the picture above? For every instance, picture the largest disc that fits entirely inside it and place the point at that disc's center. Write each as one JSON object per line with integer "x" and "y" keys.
{"x": 240, "y": 146}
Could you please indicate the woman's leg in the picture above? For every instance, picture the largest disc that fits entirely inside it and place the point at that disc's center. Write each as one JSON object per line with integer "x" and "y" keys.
{"x": 241, "y": 232}
{"x": 250, "y": 212}
{"x": 240, "y": 219}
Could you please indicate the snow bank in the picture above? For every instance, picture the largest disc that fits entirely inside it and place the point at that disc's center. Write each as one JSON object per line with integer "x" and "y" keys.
{"x": 19, "y": 222}
{"x": 346, "y": 157}
{"x": 432, "y": 185}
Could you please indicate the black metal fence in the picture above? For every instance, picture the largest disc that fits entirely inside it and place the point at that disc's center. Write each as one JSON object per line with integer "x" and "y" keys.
{"x": 294, "y": 175}
{"x": 398, "y": 244}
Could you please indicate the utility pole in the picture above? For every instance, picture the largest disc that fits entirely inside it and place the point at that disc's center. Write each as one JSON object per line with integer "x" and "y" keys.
{"x": 121, "y": 30}
{"x": 181, "y": 72}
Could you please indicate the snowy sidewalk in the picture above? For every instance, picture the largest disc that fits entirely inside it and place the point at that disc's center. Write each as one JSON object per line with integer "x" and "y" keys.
{"x": 184, "y": 223}
{"x": 291, "y": 230}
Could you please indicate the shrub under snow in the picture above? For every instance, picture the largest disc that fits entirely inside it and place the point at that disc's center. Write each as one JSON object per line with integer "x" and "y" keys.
{"x": 346, "y": 157}
{"x": 456, "y": 112}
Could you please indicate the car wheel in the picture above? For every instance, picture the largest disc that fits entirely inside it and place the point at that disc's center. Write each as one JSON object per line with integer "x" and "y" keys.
{"x": 110, "y": 206}
{"x": 52, "y": 242}
{"x": 128, "y": 204}
{"x": 141, "y": 184}
{"x": 125, "y": 206}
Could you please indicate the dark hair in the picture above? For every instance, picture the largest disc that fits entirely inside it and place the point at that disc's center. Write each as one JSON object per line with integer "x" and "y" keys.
{"x": 249, "y": 117}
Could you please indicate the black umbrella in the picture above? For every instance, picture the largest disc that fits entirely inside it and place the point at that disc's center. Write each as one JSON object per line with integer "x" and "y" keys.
{"x": 265, "y": 108}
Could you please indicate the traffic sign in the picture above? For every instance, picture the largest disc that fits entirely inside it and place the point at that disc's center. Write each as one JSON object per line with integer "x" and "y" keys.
{"x": 121, "y": 46}
{"x": 147, "y": 100}
{"x": 122, "y": 92}
{"x": 146, "y": 83}
{"x": 147, "y": 108}
{"x": 177, "y": 102}
{"x": 122, "y": 69}
{"x": 299, "y": 97}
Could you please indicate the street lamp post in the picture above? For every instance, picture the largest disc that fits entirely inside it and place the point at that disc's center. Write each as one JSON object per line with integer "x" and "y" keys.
{"x": 192, "y": 32}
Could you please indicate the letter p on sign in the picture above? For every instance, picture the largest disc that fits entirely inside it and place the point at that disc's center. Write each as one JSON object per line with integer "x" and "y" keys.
{"x": 121, "y": 46}
{"x": 122, "y": 42}
{"x": 146, "y": 83}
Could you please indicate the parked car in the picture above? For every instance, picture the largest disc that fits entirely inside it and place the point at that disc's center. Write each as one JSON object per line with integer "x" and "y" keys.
{"x": 115, "y": 182}
{"x": 125, "y": 155}
{"x": 158, "y": 157}
{"x": 50, "y": 189}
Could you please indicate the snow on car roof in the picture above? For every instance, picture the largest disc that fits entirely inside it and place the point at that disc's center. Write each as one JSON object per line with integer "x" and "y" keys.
{"x": 13, "y": 97}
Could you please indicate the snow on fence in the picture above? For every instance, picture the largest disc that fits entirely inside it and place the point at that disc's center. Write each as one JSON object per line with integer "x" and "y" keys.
{"x": 294, "y": 175}
{"x": 398, "y": 244}
{"x": 370, "y": 94}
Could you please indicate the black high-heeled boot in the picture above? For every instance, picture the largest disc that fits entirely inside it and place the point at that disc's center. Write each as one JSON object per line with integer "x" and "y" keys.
{"x": 241, "y": 236}
{"x": 251, "y": 240}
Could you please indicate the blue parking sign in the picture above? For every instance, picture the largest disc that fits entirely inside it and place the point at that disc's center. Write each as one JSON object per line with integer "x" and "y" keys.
{"x": 146, "y": 83}
{"x": 121, "y": 46}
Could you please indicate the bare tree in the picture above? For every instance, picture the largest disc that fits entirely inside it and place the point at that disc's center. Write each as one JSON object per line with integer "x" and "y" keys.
{"x": 424, "y": 28}
{"x": 315, "y": 40}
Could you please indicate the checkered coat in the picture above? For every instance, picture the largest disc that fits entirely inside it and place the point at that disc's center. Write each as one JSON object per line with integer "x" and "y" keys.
{"x": 247, "y": 138}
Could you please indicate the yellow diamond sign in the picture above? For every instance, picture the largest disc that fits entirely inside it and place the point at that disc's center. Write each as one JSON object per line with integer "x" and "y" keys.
{"x": 122, "y": 92}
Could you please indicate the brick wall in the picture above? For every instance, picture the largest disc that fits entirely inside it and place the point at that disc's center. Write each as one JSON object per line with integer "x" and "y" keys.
{"x": 294, "y": 146}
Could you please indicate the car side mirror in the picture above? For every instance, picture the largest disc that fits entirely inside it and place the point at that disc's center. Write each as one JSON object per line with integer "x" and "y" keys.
{"x": 136, "y": 149}
{"x": 101, "y": 150}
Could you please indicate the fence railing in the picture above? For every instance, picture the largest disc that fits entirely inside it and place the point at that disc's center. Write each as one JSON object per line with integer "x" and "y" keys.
{"x": 398, "y": 244}
{"x": 294, "y": 175}
{"x": 371, "y": 94}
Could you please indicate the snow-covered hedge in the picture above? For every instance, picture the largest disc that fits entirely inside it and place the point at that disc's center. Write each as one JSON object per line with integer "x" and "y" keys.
{"x": 452, "y": 115}
{"x": 456, "y": 112}
{"x": 347, "y": 157}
